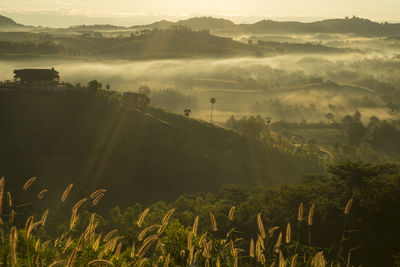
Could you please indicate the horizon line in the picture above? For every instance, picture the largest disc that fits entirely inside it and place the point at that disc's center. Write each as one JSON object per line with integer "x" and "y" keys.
{"x": 174, "y": 18}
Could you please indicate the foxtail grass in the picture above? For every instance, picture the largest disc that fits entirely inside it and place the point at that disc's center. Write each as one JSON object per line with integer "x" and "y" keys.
{"x": 231, "y": 213}
{"x": 66, "y": 192}
{"x": 213, "y": 222}
{"x": 260, "y": 226}
{"x": 142, "y": 217}
{"x": 29, "y": 182}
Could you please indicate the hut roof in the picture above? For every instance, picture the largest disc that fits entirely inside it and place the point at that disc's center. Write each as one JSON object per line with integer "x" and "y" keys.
{"x": 37, "y": 73}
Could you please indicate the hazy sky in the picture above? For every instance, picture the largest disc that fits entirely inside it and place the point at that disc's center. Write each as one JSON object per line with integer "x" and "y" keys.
{"x": 67, "y": 12}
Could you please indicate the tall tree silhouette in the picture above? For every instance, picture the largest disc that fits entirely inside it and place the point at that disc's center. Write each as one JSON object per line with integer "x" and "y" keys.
{"x": 187, "y": 112}
{"x": 212, "y": 101}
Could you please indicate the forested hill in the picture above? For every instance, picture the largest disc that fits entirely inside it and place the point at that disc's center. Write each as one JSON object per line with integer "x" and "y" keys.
{"x": 355, "y": 25}
{"x": 5, "y": 21}
{"x": 94, "y": 142}
{"x": 176, "y": 42}
{"x": 197, "y": 23}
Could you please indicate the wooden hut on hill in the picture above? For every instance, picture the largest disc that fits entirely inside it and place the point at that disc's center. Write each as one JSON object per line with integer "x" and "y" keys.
{"x": 36, "y": 77}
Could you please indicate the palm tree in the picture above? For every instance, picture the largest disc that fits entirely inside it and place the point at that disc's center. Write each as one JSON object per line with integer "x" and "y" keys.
{"x": 212, "y": 101}
{"x": 267, "y": 131}
{"x": 187, "y": 112}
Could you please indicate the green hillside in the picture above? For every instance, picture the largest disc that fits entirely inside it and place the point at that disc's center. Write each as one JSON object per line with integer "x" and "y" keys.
{"x": 175, "y": 42}
{"x": 5, "y": 21}
{"x": 96, "y": 142}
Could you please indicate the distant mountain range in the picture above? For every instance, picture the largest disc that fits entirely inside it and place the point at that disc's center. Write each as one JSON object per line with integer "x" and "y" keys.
{"x": 354, "y": 25}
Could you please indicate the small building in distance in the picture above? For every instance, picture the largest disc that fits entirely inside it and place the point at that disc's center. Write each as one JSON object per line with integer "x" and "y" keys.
{"x": 37, "y": 77}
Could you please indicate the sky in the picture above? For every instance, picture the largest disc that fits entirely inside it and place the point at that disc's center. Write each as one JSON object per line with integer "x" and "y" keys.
{"x": 62, "y": 13}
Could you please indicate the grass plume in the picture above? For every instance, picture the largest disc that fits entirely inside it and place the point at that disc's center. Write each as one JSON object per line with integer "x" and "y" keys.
{"x": 142, "y": 217}
{"x": 66, "y": 192}
{"x": 260, "y": 226}
{"x": 213, "y": 222}
{"x": 29, "y": 182}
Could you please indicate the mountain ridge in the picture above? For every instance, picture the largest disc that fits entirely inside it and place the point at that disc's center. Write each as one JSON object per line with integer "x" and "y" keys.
{"x": 6, "y": 21}
{"x": 354, "y": 25}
